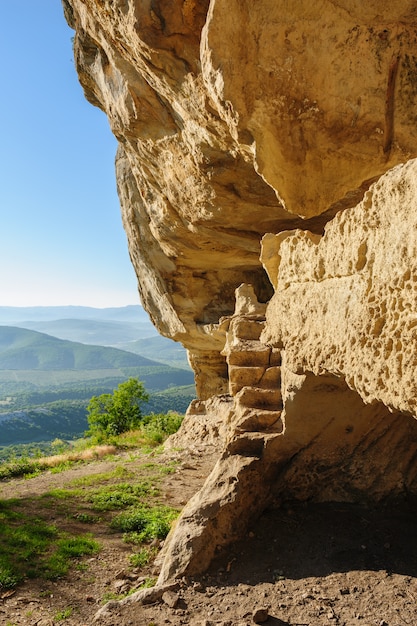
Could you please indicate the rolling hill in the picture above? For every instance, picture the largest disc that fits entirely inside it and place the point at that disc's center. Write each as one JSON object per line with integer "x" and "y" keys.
{"x": 168, "y": 351}
{"x": 46, "y": 384}
{"x": 31, "y": 361}
{"x": 126, "y": 328}
{"x": 22, "y": 349}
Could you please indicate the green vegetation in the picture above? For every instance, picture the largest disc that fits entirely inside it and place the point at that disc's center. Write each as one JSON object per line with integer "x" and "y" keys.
{"x": 94, "y": 479}
{"x": 122, "y": 496}
{"x": 64, "y": 614}
{"x": 122, "y": 499}
{"x": 26, "y": 432}
{"x": 29, "y": 547}
{"x": 143, "y": 557}
{"x": 66, "y": 550}
{"x": 143, "y": 523}
{"x": 117, "y": 413}
{"x": 157, "y": 427}
{"x": 46, "y": 385}
{"x": 153, "y": 431}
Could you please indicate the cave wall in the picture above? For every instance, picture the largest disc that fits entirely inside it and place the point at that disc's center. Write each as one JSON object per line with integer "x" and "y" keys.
{"x": 345, "y": 303}
{"x": 267, "y": 183}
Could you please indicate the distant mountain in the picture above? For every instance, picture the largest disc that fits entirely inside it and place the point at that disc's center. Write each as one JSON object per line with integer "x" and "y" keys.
{"x": 22, "y": 349}
{"x": 96, "y": 332}
{"x": 126, "y": 328}
{"x": 132, "y": 313}
{"x": 167, "y": 351}
{"x": 46, "y": 382}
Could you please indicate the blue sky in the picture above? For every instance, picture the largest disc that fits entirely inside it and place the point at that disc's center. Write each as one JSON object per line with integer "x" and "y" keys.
{"x": 61, "y": 237}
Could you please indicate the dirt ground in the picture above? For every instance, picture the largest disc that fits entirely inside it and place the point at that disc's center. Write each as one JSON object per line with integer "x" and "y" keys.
{"x": 333, "y": 564}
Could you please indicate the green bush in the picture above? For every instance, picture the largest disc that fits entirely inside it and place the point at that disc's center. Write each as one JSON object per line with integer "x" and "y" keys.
{"x": 157, "y": 427}
{"x": 116, "y": 413}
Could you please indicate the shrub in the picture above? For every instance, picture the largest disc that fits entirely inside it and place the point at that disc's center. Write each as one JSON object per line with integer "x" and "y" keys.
{"x": 157, "y": 427}
{"x": 116, "y": 413}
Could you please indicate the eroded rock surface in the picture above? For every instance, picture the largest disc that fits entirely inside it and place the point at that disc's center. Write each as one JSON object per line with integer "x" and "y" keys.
{"x": 293, "y": 125}
{"x": 346, "y": 303}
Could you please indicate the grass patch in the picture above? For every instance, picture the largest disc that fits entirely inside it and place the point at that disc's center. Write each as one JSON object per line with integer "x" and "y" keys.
{"x": 143, "y": 557}
{"x": 123, "y": 495}
{"x": 63, "y": 494}
{"x": 67, "y": 549}
{"x": 144, "y": 523}
{"x": 163, "y": 470}
{"x": 32, "y": 548}
{"x": 74, "y": 547}
{"x": 86, "y": 518}
{"x": 64, "y": 614}
{"x": 22, "y": 543}
{"x": 93, "y": 479}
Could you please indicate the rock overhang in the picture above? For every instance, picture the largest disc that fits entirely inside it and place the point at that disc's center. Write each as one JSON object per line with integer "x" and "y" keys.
{"x": 238, "y": 125}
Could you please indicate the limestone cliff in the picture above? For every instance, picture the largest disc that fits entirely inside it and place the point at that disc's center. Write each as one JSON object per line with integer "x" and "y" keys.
{"x": 268, "y": 190}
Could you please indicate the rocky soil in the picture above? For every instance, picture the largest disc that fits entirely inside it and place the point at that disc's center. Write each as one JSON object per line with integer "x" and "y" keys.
{"x": 300, "y": 564}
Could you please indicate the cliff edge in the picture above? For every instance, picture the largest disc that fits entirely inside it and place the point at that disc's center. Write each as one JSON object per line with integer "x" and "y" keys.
{"x": 267, "y": 180}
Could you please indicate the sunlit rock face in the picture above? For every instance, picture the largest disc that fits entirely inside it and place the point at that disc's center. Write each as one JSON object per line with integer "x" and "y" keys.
{"x": 233, "y": 121}
{"x": 271, "y": 145}
{"x": 346, "y": 303}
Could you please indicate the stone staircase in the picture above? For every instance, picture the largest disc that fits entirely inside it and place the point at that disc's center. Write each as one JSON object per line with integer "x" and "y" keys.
{"x": 254, "y": 376}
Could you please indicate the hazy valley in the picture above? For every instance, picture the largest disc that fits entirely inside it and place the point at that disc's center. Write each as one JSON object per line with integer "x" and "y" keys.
{"x": 54, "y": 359}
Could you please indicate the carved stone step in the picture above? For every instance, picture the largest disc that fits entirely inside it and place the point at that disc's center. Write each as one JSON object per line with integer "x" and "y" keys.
{"x": 256, "y": 420}
{"x": 249, "y": 354}
{"x": 275, "y": 357}
{"x": 265, "y": 378}
{"x": 244, "y": 328}
{"x": 271, "y": 378}
{"x": 257, "y": 398}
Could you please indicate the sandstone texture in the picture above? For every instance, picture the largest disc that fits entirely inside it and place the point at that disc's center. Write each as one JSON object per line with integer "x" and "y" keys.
{"x": 268, "y": 190}
{"x": 346, "y": 303}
